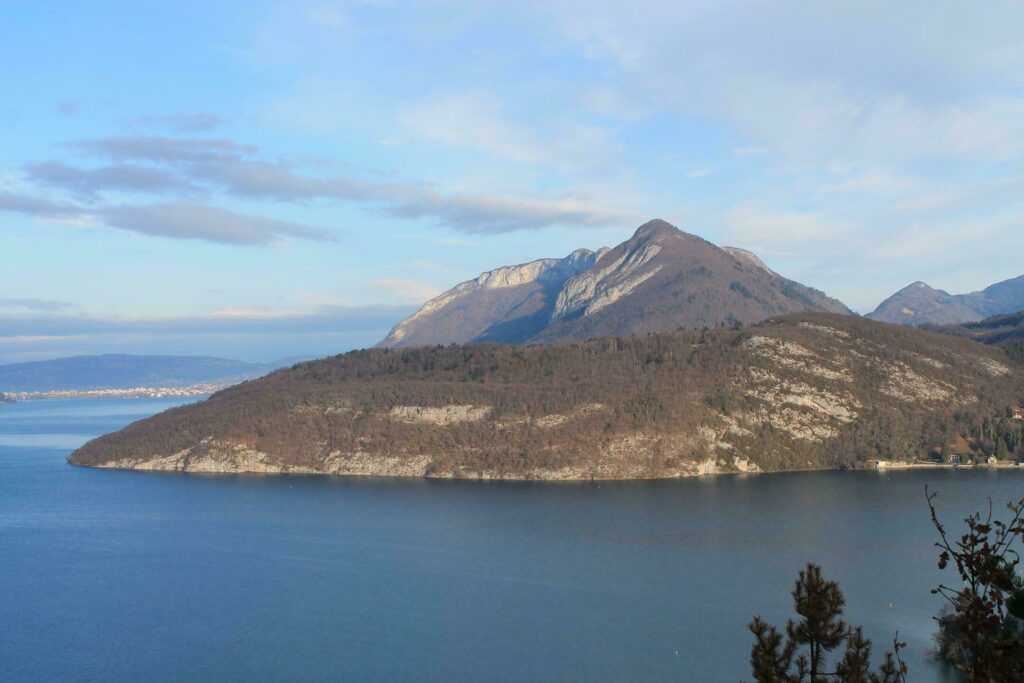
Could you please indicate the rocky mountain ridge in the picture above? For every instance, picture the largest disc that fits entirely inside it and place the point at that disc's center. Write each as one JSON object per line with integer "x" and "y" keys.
{"x": 658, "y": 280}
{"x": 508, "y": 294}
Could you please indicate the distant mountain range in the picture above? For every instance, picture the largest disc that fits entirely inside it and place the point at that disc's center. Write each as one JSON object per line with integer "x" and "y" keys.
{"x": 659, "y": 280}
{"x": 118, "y": 371}
{"x": 919, "y": 304}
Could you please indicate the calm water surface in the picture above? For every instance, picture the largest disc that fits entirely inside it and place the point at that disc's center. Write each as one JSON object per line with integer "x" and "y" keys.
{"x": 127, "y": 576}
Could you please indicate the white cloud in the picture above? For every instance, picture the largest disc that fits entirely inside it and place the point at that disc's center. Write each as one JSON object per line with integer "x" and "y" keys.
{"x": 478, "y": 121}
{"x": 234, "y": 168}
{"x": 750, "y": 151}
{"x": 88, "y": 182}
{"x": 404, "y": 291}
{"x": 172, "y": 219}
{"x": 758, "y": 226}
{"x": 208, "y": 223}
{"x": 827, "y": 81}
{"x": 179, "y": 122}
{"x": 36, "y": 305}
{"x": 329, "y": 16}
{"x": 165, "y": 149}
{"x": 820, "y": 124}
{"x": 40, "y": 207}
{"x": 878, "y": 181}
{"x": 945, "y": 241}
{"x": 453, "y": 241}
{"x": 942, "y": 200}
{"x": 241, "y": 312}
{"x": 616, "y": 102}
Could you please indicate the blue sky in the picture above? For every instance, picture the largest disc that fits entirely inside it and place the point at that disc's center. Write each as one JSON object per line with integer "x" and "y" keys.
{"x": 260, "y": 180}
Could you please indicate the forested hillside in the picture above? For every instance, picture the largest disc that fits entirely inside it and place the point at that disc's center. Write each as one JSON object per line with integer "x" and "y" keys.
{"x": 803, "y": 391}
{"x": 1004, "y": 331}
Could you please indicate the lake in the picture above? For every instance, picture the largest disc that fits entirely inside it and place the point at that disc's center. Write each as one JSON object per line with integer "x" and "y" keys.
{"x": 127, "y": 576}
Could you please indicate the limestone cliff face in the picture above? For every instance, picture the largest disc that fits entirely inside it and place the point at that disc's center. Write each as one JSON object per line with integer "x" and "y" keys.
{"x": 795, "y": 392}
{"x": 606, "y": 282}
{"x": 748, "y": 257}
{"x": 499, "y": 303}
{"x": 662, "y": 279}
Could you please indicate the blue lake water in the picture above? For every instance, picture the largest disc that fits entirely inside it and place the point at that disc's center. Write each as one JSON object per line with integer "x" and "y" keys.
{"x": 127, "y": 576}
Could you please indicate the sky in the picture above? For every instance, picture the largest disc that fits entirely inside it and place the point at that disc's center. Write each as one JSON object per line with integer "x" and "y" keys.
{"x": 262, "y": 180}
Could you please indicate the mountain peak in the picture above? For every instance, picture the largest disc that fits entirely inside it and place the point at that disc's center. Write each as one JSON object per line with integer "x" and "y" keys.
{"x": 920, "y": 303}
{"x": 660, "y": 279}
{"x": 656, "y": 228}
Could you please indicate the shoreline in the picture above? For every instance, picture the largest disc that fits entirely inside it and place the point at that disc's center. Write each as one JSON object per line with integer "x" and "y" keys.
{"x": 894, "y": 465}
{"x": 135, "y": 392}
{"x": 305, "y": 472}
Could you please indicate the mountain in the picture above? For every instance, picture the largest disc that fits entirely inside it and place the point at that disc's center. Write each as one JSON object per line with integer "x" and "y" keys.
{"x": 918, "y": 304}
{"x": 793, "y": 392}
{"x": 662, "y": 279}
{"x": 116, "y": 371}
{"x": 508, "y": 304}
{"x": 1004, "y": 331}
{"x": 659, "y": 280}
